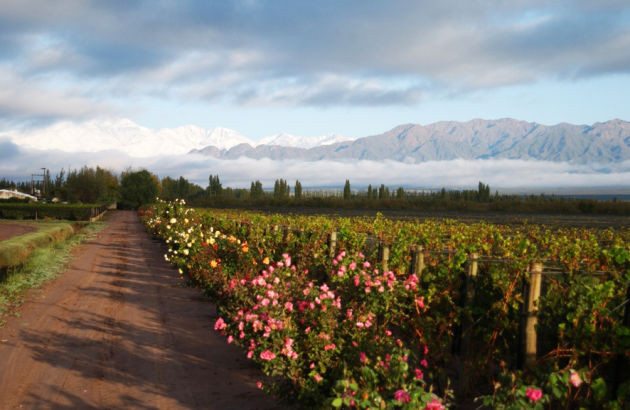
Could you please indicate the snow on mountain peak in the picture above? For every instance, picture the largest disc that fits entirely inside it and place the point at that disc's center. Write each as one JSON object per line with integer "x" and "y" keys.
{"x": 126, "y": 136}
{"x": 288, "y": 140}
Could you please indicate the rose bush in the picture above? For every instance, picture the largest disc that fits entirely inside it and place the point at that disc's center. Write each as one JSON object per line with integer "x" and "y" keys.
{"x": 337, "y": 331}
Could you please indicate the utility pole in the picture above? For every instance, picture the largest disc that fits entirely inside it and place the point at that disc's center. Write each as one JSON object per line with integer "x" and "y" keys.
{"x": 43, "y": 181}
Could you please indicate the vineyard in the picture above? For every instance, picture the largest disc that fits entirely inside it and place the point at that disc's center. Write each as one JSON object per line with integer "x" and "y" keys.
{"x": 370, "y": 312}
{"x": 37, "y": 210}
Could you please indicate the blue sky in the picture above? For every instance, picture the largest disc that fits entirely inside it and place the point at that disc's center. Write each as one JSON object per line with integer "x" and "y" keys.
{"x": 355, "y": 68}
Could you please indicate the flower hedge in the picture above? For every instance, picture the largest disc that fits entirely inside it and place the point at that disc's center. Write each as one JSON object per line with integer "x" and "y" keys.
{"x": 335, "y": 331}
{"x": 329, "y": 343}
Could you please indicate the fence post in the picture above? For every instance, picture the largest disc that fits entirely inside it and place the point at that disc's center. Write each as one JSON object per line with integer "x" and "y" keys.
{"x": 332, "y": 244}
{"x": 530, "y": 314}
{"x": 383, "y": 256}
{"x": 417, "y": 259}
{"x": 469, "y": 295}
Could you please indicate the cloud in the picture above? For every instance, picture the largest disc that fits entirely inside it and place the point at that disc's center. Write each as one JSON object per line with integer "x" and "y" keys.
{"x": 286, "y": 53}
{"x": 31, "y": 101}
{"x": 19, "y": 163}
{"x": 327, "y": 90}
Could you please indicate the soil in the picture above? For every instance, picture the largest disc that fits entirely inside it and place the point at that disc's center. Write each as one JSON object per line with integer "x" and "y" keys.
{"x": 119, "y": 330}
{"x": 9, "y": 230}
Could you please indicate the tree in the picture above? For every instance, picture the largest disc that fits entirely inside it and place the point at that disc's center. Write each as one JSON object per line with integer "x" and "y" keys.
{"x": 256, "y": 190}
{"x": 483, "y": 192}
{"x": 281, "y": 189}
{"x": 137, "y": 188}
{"x": 346, "y": 190}
{"x": 400, "y": 193}
{"x": 89, "y": 185}
{"x": 297, "y": 191}
{"x": 381, "y": 192}
{"x": 214, "y": 187}
{"x": 369, "y": 192}
{"x": 179, "y": 188}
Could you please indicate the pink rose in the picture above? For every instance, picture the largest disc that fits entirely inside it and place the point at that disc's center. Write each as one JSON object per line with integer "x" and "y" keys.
{"x": 402, "y": 396}
{"x": 575, "y": 379}
{"x": 219, "y": 324}
{"x": 434, "y": 404}
{"x": 419, "y": 374}
{"x": 267, "y": 355}
{"x": 534, "y": 394}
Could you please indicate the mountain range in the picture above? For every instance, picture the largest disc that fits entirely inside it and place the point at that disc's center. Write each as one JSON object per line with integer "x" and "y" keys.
{"x": 448, "y": 140}
{"x": 602, "y": 142}
{"x": 134, "y": 140}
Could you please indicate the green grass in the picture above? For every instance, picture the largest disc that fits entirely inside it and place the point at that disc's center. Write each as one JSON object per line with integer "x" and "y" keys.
{"x": 15, "y": 251}
{"x": 43, "y": 264}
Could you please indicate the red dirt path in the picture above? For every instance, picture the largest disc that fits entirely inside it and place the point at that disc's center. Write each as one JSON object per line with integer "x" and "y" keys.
{"x": 117, "y": 330}
{"x": 9, "y": 230}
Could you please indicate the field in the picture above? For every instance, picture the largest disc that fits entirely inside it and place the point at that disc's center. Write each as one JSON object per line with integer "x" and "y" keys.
{"x": 371, "y": 311}
{"x": 505, "y": 218}
{"x": 19, "y": 240}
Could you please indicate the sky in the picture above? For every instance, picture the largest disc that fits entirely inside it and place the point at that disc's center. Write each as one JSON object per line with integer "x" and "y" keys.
{"x": 355, "y": 68}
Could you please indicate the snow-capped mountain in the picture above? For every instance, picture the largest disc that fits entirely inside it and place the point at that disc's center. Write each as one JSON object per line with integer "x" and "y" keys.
{"x": 448, "y": 140}
{"x": 125, "y": 136}
{"x": 607, "y": 142}
{"x": 134, "y": 140}
{"x": 288, "y": 140}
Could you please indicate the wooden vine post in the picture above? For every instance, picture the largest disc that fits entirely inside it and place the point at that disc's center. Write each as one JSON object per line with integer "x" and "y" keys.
{"x": 464, "y": 331}
{"x": 332, "y": 244}
{"x": 383, "y": 256}
{"x": 530, "y": 314}
{"x": 469, "y": 296}
{"x": 417, "y": 259}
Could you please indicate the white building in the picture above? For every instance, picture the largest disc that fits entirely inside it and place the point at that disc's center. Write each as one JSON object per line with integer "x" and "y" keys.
{"x": 6, "y": 194}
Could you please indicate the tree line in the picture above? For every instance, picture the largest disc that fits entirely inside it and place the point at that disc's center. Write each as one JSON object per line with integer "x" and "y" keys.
{"x": 133, "y": 188}
{"x": 380, "y": 196}
{"x": 89, "y": 185}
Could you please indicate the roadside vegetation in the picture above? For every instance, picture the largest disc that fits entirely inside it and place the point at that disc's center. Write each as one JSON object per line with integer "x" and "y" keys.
{"x": 43, "y": 264}
{"x": 378, "y": 313}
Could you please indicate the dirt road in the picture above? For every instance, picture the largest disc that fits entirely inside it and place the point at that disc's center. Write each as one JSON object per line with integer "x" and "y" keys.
{"x": 117, "y": 330}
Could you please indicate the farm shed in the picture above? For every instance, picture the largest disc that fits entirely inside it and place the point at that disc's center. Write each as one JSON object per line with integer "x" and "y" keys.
{"x": 6, "y": 194}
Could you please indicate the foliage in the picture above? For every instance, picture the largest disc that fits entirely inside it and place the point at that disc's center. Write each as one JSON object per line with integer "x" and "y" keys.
{"x": 89, "y": 185}
{"x": 39, "y": 210}
{"x": 44, "y": 263}
{"x": 297, "y": 191}
{"x": 137, "y": 188}
{"x": 328, "y": 344}
{"x": 581, "y": 325}
{"x": 281, "y": 189}
{"x": 178, "y": 188}
{"x": 256, "y": 190}
{"x": 214, "y": 186}
{"x": 15, "y": 251}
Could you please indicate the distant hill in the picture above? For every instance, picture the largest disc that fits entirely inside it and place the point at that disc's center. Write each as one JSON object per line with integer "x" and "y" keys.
{"x": 477, "y": 139}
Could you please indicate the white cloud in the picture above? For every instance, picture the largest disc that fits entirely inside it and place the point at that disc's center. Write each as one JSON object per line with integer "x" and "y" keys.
{"x": 30, "y": 100}
{"x": 316, "y": 54}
